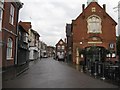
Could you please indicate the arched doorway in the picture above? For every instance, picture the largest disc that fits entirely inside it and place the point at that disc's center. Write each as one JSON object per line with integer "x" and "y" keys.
{"x": 95, "y": 53}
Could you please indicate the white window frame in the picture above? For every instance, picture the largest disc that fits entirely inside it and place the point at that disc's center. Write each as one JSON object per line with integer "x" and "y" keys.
{"x": 12, "y": 12}
{"x": 63, "y": 47}
{"x": 94, "y": 24}
{"x": 58, "y": 47}
{"x": 9, "y": 48}
{"x": 25, "y": 37}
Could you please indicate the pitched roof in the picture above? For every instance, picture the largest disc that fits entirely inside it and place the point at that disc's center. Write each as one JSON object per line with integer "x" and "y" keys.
{"x": 101, "y": 9}
{"x": 59, "y": 42}
{"x": 25, "y": 25}
{"x": 35, "y": 32}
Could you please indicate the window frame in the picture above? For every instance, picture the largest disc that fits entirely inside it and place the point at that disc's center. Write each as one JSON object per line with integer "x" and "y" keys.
{"x": 9, "y": 48}
{"x": 12, "y": 14}
{"x": 63, "y": 47}
{"x": 92, "y": 22}
{"x": 1, "y": 12}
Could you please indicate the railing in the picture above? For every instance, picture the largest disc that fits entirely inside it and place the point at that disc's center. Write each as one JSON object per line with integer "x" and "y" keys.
{"x": 103, "y": 70}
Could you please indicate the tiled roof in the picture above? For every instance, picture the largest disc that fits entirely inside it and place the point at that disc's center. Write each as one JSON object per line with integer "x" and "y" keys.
{"x": 25, "y": 25}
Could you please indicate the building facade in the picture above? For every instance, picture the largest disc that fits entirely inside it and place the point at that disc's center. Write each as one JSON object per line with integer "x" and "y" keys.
{"x": 44, "y": 52}
{"x": 1, "y": 17}
{"x": 51, "y": 51}
{"x": 23, "y": 47}
{"x": 61, "y": 50}
{"x": 9, "y": 32}
{"x": 93, "y": 31}
{"x": 33, "y": 45}
{"x": 69, "y": 42}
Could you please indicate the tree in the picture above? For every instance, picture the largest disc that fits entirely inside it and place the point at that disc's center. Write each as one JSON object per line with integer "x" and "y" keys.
{"x": 118, "y": 46}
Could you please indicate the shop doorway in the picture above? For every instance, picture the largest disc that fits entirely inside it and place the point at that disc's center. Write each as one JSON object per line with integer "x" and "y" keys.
{"x": 95, "y": 53}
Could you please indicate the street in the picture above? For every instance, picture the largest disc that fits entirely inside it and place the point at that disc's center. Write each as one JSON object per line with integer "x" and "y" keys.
{"x": 49, "y": 73}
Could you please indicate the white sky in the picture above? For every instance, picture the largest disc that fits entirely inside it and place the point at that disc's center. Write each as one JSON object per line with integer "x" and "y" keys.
{"x": 49, "y": 17}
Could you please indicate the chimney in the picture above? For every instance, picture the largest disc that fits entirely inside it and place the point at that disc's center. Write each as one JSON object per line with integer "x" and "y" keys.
{"x": 104, "y": 7}
{"x": 65, "y": 40}
{"x": 83, "y": 7}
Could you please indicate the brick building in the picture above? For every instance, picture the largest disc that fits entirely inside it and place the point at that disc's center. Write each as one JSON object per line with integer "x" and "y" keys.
{"x": 51, "y": 51}
{"x": 1, "y": 14}
{"x": 9, "y": 32}
{"x": 23, "y": 47}
{"x": 61, "y": 49}
{"x": 34, "y": 44}
{"x": 93, "y": 34}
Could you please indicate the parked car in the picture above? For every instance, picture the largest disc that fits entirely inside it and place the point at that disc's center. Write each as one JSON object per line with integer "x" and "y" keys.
{"x": 44, "y": 54}
{"x": 61, "y": 57}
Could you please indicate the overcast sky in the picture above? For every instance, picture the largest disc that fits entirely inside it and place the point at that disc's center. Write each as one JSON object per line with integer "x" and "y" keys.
{"x": 49, "y": 17}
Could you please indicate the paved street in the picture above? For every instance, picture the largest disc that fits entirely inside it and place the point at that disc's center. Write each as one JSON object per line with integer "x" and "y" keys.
{"x": 48, "y": 73}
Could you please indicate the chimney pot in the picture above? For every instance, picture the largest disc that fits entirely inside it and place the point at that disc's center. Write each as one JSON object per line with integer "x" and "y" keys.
{"x": 83, "y": 7}
{"x": 104, "y": 7}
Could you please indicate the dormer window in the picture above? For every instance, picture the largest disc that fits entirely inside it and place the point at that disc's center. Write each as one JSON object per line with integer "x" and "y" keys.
{"x": 61, "y": 42}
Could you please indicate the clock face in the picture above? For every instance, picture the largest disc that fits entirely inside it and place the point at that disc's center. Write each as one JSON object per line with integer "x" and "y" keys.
{"x": 111, "y": 45}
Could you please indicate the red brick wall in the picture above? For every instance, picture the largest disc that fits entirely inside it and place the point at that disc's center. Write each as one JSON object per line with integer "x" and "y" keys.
{"x": 11, "y": 33}
{"x": 0, "y": 50}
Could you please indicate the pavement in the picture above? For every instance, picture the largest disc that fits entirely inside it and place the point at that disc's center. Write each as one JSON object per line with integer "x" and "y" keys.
{"x": 49, "y": 73}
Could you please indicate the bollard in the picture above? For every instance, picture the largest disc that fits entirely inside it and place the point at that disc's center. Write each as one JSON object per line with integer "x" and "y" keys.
{"x": 103, "y": 73}
{"x": 95, "y": 70}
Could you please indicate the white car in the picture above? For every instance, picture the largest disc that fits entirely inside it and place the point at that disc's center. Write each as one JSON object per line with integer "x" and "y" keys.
{"x": 61, "y": 57}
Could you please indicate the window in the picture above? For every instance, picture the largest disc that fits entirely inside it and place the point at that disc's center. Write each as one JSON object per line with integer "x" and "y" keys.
{"x": 0, "y": 13}
{"x": 94, "y": 24}
{"x": 93, "y": 9}
{"x": 63, "y": 47}
{"x": 12, "y": 9}
{"x": 58, "y": 47}
{"x": 9, "y": 48}
{"x": 25, "y": 37}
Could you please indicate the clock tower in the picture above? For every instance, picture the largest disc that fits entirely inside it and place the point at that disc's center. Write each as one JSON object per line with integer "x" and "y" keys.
{"x": 89, "y": 1}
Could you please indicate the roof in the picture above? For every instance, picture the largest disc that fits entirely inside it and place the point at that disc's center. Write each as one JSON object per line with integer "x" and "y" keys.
{"x": 100, "y": 8}
{"x": 25, "y": 25}
{"x": 35, "y": 32}
{"x": 59, "y": 42}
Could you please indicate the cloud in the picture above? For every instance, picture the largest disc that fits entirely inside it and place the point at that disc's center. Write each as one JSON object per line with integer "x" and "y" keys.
{"x": 49, "y": 17}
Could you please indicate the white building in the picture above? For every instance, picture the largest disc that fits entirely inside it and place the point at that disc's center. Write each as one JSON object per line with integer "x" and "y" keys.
{"x": 33, "y": 45}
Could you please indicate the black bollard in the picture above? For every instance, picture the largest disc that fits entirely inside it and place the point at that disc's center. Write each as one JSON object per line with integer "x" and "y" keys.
{"x": 103, "y": 71}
